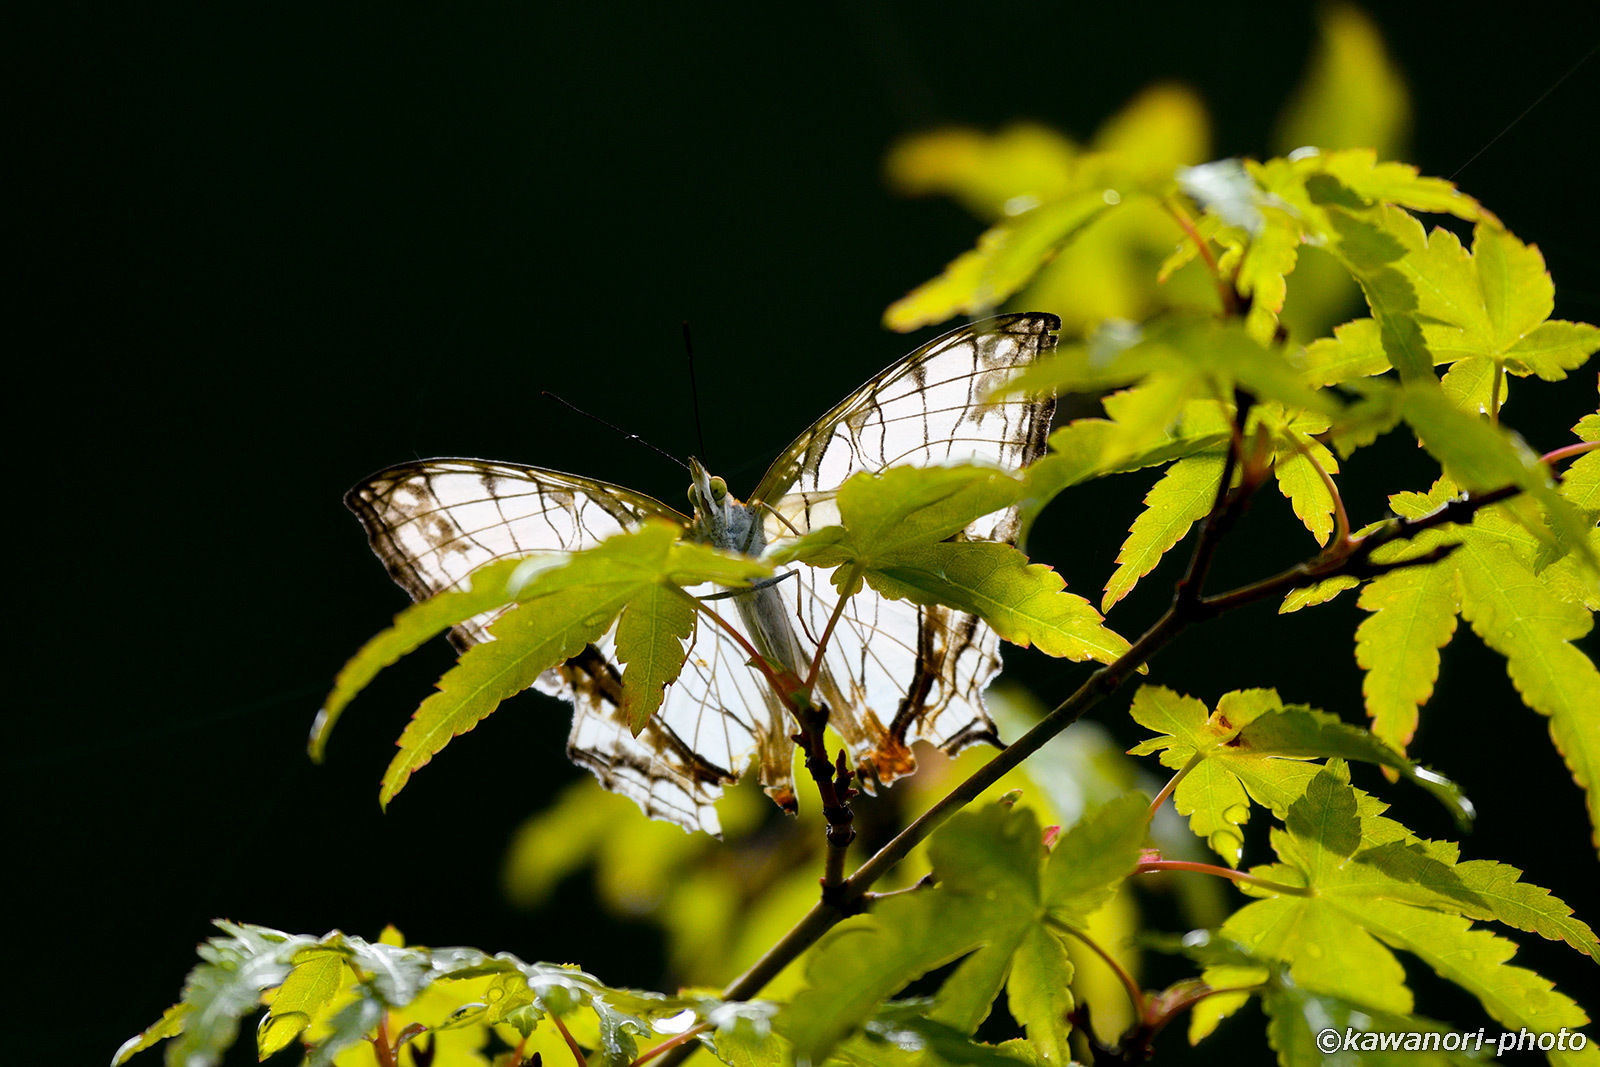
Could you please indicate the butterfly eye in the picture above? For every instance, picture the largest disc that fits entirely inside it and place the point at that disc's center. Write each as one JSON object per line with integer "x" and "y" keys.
{"x": 694, "y": 497}
{"x": 719, "y": 489}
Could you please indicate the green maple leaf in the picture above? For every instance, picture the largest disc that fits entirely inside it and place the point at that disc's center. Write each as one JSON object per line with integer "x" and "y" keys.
{"x": 899, "y": 534}
{"x": 650, "y": 645}
{"x": 1052, "y": 206}
{"x": 304, "y": 995}
{"x": 169, "y": 1025}
{"x": 1530, "y": 617}
{"x": 1149, "y": 425}
{"x": 1183, "y": 496}
{"x": 1318, "y": 593}
{"x": 225, "y": 986}
{"x": 1372, "y": 254}
{"x": 1006, "y": 257}
{"x": 1299, "y": 464}
{"x": 344, "y": 986}
{"x": 1347, "y": 905}
{"x": 1493, "y": 305}
{"x": 417, "y": 624}
{"x": 1413, "y": 617}
{"x": 1199, "y": 357}
{"x": 999, "y": 901}
{"x": 1298, "y": 1013}
{"x": 1255, "y": 748}
{"x": 1354, "y": 181}
{"x": 559, "y": 611}
{"x": 1486, "y": 311}
{"x": 1353, "y": 206}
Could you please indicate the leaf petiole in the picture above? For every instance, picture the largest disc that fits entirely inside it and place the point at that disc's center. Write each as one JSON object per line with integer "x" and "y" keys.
{"x": 671, "y": 1043}
{"x": 1149, "y": 866}
{"x": 1135, "y": 994}
{"x": 1172, "y": 783}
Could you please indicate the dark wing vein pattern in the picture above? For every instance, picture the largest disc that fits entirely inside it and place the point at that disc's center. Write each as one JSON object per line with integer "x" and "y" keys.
{"x": 434, "y": 522}
{"x": 898, "y": 673}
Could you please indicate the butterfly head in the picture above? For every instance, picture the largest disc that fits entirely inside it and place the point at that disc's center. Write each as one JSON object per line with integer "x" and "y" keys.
{"x": 720, "y": 518}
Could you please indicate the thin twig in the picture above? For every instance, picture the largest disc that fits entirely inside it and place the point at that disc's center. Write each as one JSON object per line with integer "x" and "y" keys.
{"x": 925, "y": 882}
{"x": 380, "y": 1043}
{"x": 1304, "y": 574}
{"x": 1224, "y": 509}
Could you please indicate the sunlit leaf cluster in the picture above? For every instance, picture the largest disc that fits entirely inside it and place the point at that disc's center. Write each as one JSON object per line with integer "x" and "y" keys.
{"x": 1237, "y": 331}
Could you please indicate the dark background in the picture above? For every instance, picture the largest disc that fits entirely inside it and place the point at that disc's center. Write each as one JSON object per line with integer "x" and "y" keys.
{"x": 258, "y": 253}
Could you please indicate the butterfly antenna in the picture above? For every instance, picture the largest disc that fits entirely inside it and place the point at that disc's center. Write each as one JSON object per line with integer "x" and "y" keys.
{"x": 615, "y": 428}
{"x": 694, "y": 391}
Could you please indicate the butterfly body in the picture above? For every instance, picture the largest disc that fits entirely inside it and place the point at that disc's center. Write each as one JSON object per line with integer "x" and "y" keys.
{"x": 894, "y": 672}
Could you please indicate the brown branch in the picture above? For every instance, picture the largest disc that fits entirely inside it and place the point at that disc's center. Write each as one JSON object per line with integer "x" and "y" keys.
{"x": 1188, "y": 606}
{"x": 833, "y": 781}
{"x": 833, "y": 784}
{"x": 382, "y": 1050}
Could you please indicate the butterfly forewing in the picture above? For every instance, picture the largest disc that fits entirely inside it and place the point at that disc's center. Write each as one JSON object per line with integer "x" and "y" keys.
{"x": 932, "y": 407}
{"x": 435, "y": 521}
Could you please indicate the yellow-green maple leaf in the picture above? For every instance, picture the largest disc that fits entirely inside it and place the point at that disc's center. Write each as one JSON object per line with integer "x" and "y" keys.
{"x": 1183, "y": 496}
{"x": 1532, "y": 618}
{"x": 1359, "y": 903}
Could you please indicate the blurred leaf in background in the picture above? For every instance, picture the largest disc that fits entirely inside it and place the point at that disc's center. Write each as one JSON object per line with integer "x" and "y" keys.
{"x": 720, "y": 905}
{"x": 1080, "y": 230}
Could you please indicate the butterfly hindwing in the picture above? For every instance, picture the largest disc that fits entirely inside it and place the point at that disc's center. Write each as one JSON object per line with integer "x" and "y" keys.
{"x": 897, "y": 672}
{"x": 434, "y": 522}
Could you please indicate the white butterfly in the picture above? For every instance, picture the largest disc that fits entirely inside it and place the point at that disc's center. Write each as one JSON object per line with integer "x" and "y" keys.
{"x": 893, "y": 672}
